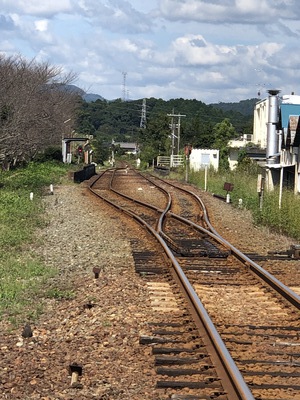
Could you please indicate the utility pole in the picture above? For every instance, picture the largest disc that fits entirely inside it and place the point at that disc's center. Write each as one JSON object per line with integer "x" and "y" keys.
{"x": 178, "y": 129}
{"x": 172, "y": 134}
{"x": 178, "y": 142}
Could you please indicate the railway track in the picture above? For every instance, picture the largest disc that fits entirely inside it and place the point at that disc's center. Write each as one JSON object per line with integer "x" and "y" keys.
{"x": 226, "y": 328}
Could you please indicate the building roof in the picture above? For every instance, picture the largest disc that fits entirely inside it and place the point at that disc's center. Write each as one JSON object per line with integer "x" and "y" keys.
{"x": 288, "y": 110}
{"x": 126, "y": 145}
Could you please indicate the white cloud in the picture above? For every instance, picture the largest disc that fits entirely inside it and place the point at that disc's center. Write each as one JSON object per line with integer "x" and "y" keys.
{"x": 194, "y": 50}
{"x": 35, "y": 7}
{"x": 115, "y": 15}
{"x": 210, "y": 50}
{"x": 41, "y": 25}
{"x": 224, "y": 11}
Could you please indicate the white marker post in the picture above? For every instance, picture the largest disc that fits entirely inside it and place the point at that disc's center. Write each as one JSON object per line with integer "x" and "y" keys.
{"x": 205, "y": 178}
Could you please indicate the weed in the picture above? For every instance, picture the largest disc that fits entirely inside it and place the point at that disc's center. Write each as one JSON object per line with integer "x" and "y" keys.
{"x": 284, "y": 220}
{"x": 22, "y": 276}
{"x": 60, "y": 294}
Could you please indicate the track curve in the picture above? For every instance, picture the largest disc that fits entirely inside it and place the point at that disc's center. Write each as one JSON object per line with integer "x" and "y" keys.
{"x": 207, "y": 267}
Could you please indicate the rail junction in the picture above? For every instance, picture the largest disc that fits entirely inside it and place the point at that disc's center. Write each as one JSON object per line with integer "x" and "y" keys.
{"x": 226, "y": 327}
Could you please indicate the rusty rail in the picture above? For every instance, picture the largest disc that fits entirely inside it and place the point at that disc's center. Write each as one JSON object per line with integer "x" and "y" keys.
{"x": 233, "y": 381}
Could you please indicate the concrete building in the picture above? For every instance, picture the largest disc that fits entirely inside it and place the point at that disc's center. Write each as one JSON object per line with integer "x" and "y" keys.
{"x": 275, "y": 141}
{"x": 277, "y": 130}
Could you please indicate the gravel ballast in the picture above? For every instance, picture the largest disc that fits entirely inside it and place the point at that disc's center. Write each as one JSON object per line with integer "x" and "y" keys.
{"x": 97, "y": 323}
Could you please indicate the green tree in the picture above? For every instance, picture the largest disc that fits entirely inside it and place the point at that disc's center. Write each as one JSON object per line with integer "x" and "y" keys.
{"x": 155, "y": 139}
{"x": 222, "y": 133}
{"x": 84, "y": 121}
{"x": 245, "y": 164}
{"x": 198, "y": 132}
{"x": 100, "y": 150}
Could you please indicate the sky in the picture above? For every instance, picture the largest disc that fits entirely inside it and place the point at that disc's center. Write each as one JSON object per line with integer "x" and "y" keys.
{"x": 212, "y": 51}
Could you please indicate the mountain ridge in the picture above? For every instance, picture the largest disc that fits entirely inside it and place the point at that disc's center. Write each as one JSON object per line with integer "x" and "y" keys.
{"x": 245, "y": 107}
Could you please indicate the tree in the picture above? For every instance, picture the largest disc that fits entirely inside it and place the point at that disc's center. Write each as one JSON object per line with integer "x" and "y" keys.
{"x": 222, "y": 133}
{"x": 100, "y": 150}
{"x": 156, "y": 138}
{"x": 198, "y": 132}
{"x": 33, "y": 108}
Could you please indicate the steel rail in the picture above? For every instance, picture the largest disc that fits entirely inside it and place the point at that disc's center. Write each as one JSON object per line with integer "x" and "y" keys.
{"x": 264, "y": 275}
{"x": 141, "y": 202}
{"x": 234, "y": 384}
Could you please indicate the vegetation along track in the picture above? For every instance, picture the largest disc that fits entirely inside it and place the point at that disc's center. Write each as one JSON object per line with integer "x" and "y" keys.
{"x": 225, "y": 328}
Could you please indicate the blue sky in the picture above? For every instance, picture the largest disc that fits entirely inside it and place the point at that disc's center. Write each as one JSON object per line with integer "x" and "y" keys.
{"x": 213, "y": 51}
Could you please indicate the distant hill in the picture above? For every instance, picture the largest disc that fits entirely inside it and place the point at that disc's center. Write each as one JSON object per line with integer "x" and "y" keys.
{"x": 73, "y": 89}
{"x": 245, "y": 107}
{"x": 121, "y": 120}
{"x": 89, "y": 97}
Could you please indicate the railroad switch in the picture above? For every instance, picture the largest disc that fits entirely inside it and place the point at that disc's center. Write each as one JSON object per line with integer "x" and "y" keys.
{"x": 293, "y": 252}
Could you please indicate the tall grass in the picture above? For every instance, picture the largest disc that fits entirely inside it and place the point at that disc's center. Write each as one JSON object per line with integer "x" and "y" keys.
{"x": 285, "y": 220}
{"x": 21, "y": 273}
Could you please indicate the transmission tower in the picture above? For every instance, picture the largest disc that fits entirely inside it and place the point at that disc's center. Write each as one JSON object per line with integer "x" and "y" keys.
{"x": 124, "y": 86}
{"x": 143, "y": 116}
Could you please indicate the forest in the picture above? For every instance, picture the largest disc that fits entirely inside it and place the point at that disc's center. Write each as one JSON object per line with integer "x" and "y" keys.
{"x": 151, "y": 122}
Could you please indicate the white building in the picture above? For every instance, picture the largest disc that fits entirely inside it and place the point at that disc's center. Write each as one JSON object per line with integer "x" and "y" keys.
{"x": 198, "y": 159}
{"x": 201, "y": 158}
{"x": 260, "y": 121}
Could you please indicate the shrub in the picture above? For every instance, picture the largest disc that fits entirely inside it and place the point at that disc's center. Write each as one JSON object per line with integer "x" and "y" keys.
{"x": 49, "y": 154}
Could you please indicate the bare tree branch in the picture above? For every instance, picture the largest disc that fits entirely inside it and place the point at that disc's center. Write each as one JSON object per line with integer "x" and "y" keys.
{"x": 33, "y": 107}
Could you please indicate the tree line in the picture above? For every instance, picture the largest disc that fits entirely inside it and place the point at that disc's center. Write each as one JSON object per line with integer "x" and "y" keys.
{"x": 34, "y": 108}
{"x": 201, "y": 125}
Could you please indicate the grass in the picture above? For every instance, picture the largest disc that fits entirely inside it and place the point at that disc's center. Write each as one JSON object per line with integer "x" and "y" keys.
{"x": 60, "y": 294}
{"x": 283, "y": 220}
{"x": 22, "y": 276}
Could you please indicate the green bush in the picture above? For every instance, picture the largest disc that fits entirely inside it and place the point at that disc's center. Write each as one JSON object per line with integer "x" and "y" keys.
{"x": 49, "y": 154}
